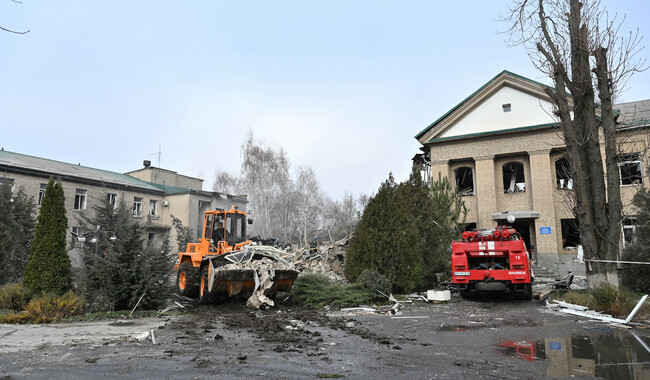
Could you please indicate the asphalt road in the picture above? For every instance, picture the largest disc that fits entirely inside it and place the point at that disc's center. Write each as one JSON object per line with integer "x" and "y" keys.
{"x": 482, "y": 339}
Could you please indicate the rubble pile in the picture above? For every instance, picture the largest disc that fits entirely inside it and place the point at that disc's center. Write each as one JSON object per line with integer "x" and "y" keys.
{"x": 327, "y": 259}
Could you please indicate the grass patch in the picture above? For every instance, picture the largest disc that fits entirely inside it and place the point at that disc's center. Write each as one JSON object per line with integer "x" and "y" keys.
{"x": 47, "y": 308}
{"x": 317, "y": 291}
{"x": 14, "y": 297}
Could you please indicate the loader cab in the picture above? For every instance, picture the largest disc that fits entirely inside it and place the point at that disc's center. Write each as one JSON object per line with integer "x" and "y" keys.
{"x": 224, "y": 228}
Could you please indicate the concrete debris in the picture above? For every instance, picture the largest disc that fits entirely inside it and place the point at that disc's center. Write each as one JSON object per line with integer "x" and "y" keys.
{"x": 439, "y": 295}
{"x": 327, "y": 259}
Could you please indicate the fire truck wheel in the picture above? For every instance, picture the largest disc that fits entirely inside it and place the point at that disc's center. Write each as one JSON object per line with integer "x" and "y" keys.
{"x": 528, "y": 292}
{"x": 187, "y": 281}
{"x": 468, "y": 294}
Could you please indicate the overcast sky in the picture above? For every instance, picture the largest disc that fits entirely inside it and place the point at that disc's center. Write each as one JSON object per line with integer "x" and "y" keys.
{"x": 342, "y": 86}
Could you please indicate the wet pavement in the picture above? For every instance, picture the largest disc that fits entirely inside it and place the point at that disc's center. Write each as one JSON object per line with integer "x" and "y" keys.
{"x": 477, "y": 339}
{"x": 601, "y": 352}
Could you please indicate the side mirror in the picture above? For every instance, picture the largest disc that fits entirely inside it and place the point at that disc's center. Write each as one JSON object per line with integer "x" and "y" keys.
{"x": 250, "y": 220}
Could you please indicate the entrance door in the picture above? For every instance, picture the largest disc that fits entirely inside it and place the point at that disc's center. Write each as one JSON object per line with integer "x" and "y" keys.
{"x": 523, "y": 227}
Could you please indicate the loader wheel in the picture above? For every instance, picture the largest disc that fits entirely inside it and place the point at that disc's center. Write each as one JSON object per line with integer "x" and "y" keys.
{"x": 187, "y": 281}
{"x": 204, "y": 294}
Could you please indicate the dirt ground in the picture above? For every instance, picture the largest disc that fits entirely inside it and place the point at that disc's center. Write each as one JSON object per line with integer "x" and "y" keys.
{"x": 495, "y": 338}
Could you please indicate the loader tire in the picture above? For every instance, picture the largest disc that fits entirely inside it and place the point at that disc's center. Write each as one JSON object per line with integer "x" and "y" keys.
{"x": 205, "y": 297}
{"x": 187, "y": 281}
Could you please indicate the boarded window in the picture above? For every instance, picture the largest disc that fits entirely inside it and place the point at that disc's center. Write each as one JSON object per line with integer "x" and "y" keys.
{"x": 464, "y": 180}
{"x": 629, "y": 167}
{"x": 513, "y": 177}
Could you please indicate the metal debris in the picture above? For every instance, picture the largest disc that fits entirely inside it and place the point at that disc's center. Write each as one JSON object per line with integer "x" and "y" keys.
{"x": 583, "y": 311}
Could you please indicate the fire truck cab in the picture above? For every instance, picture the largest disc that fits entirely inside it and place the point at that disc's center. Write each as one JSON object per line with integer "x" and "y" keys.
{"x": 489, "y": 261}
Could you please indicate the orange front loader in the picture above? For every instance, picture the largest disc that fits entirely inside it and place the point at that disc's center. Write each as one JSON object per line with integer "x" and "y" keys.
{"x": 224, "y": 264}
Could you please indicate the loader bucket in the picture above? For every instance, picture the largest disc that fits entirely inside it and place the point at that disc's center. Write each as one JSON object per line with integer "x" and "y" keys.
{"x": 231, "y": 282}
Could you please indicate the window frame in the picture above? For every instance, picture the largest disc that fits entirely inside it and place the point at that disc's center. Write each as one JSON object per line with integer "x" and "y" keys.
{"x": 515, "y": 189}
{"x": 10, "y": 181}
{"x": 41, "y": 193}
{"x": 630, "y": 227}
{"x": 153, "y": 208}
{"x": 80, "y": 197}
{"x": 112, "y": 199}
{"x": 137, "y": 206}
{"x": 629, "y": 160}
{"x": 457, "y": 181}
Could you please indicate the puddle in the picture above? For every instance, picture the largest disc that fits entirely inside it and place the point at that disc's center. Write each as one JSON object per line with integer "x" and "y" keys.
{"x": 600, "y": 352}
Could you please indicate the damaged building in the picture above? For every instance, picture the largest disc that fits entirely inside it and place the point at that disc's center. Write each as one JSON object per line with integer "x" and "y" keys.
{"x": 153, "y": 194}
{"x": 502, "y": 148}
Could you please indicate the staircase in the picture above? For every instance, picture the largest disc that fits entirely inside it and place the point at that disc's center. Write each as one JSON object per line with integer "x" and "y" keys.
{"x": 543, "y": 275}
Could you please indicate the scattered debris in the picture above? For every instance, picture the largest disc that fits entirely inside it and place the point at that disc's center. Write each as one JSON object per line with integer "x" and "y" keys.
{"x": 327, "y": 259}
{"x": 583, "y": 311}
{"x": 564, "y": 282}
{"x": 439, "y": 295}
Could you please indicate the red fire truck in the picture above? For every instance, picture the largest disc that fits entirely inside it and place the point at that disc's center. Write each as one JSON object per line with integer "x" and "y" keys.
{"x": 488, "y": 261}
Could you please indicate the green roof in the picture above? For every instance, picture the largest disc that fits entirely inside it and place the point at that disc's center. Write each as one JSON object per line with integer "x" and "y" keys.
{"x": 491, "y": 133}
{"x": 51, "y": 168}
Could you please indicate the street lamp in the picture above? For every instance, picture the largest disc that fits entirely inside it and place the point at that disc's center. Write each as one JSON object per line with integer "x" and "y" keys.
{"x": 96, "y": 237}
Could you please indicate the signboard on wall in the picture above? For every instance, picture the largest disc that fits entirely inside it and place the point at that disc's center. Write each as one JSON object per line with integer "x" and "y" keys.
{"x": 545, "y": 230}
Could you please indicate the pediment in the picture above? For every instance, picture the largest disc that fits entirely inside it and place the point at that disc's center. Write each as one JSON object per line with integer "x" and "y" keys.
{"x": 506, "y": 102}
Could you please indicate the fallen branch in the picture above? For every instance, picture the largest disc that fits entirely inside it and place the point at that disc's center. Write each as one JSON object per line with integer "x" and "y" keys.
{"x": 136, "y": 305}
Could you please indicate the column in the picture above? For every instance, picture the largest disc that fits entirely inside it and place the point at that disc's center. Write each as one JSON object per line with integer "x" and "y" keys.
{"x": 485, "y": 191}
{"x": 542, "y": 187}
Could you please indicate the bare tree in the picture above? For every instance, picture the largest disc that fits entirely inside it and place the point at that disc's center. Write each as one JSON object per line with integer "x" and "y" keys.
{"x": 225, "y": 182}
{"x": 309, "y": 204}
{"x": 576, "y": 44}
{"x": 265, "y": 178}
{"x": 11, "y": 30}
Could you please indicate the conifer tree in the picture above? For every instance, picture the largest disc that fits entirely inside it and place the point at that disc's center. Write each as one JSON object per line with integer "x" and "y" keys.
{"x": 48, "y": 267}
{"x": 448, "y": 214}
{"x": 386, "y": 241}
{"x": 119, "y": 272}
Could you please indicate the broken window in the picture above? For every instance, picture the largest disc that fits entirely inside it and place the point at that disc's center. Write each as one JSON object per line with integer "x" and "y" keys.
{"x": 41, "y": 193}
{"x": 137, "y": 206}
{"x": 153, "y": 210}
{"x": 464, "y": 180}
{"x": 80, "y": 199}
{"x": 151, "y": 237}
{"x": 570, "y": 233}
{"x": 513, "y": 177}
{"x": 563, "y": 174}
{"x": 112, "y": 199}
{"x": 9, "y": 182}
{"x": 628, "y": 230}
{"x": 629, "y": 168}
